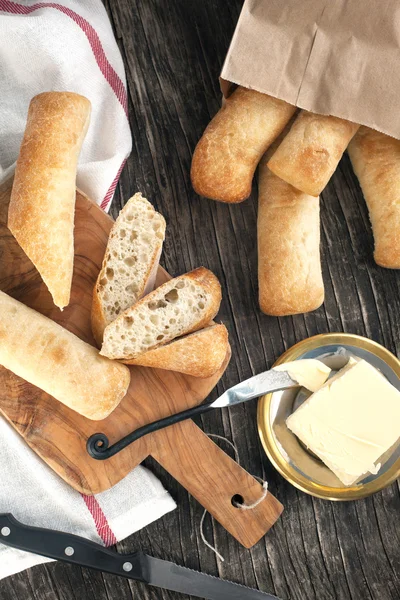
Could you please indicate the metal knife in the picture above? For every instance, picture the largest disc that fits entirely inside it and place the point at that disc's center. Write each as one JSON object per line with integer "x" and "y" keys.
{"x": 139, "y": 566}
{"x": 270, "y": 381}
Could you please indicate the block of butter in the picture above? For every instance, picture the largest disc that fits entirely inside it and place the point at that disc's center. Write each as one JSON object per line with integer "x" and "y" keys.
{"x": 308, "y": 372}
{"x": 351, "y": 421}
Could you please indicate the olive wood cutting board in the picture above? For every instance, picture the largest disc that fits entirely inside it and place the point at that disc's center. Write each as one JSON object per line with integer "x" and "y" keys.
{"x": 59, "y": 435}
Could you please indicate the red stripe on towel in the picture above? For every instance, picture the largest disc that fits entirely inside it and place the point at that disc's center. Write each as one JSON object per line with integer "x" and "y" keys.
{"x": 100, "y": 520}
{"x": 108, "y": 197}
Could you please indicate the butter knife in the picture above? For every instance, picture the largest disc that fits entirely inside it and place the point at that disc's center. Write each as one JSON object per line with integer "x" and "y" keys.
{"x": 264, "y": 383}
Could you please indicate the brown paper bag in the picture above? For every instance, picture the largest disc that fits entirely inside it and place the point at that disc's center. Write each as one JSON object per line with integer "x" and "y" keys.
{"x": 338, "y": 57}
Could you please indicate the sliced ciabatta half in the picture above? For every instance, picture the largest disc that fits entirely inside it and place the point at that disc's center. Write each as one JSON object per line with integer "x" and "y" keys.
{"x": 130, "y": 262}
{"x": 199, "y": 354}
{"x": 179, "y": 306}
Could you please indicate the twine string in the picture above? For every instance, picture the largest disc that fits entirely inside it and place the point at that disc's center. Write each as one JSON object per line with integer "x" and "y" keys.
{"x": 239, "y": 505}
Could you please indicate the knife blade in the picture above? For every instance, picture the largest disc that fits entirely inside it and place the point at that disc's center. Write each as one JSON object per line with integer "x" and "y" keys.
{"x": 76, "y": 550}
{"x": 264, "y": 383}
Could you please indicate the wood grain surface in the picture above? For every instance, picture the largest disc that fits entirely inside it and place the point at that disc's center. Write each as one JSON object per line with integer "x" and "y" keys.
{"x": 318, "y": 550}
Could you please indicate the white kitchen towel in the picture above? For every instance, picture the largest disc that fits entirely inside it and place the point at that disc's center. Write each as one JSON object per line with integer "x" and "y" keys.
{"x": 67, "y": 45}
{"x": 36, "y": 496}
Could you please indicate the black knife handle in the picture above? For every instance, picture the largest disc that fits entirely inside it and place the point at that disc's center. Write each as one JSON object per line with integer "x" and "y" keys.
{"x": 98, "y": 445}
{"x": 70, "y": 548}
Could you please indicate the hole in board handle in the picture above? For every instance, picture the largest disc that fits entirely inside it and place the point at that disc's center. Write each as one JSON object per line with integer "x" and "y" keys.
{"x": 237, "y": 500}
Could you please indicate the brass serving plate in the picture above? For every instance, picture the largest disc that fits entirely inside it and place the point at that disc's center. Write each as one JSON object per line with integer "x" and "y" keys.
{"x": 301, "y": 468}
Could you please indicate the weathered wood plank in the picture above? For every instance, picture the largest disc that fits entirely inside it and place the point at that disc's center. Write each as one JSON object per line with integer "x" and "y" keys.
{"x": 318, "y": 550}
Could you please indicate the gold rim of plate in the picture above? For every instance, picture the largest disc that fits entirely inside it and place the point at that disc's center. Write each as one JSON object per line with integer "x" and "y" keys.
{"x": 268, "y": 440}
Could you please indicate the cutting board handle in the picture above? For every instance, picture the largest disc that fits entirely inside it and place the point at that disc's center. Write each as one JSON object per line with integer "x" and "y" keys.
{"x": 213, "y": 478}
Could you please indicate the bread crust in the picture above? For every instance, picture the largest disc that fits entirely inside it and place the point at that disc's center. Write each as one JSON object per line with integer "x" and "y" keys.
{"x": 42, "y": 205}
{"x": 310, "y": 152}
{"x": 229, "y": 151}
{"x": 98, "y": 318}
{"x": 201, "y": 276}
{"x": 55, "y": 360}
{"x": 199, "y": 354}
{"x": 288, "y": 232}
{"x": 376, "y": 162}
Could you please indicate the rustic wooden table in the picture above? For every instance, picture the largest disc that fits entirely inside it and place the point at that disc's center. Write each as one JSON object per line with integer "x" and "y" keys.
{"x": 318, "y": 550}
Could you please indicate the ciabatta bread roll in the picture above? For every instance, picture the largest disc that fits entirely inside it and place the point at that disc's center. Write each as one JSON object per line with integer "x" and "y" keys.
{"x": 288, "y": 231}
{"x": 42, "y": 205}
{"x": 199, "y": 354}
{"x": 179, "y": 306}
{"x": 56, "y": 361}
{"x": 376, "y": 162}
{"x": 230, "y": 149}
{"x": 311, "y": 151}
{"x": 130, "y": 262}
